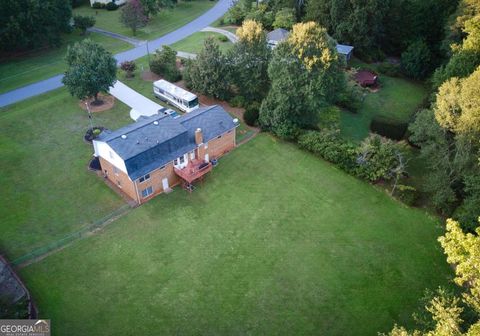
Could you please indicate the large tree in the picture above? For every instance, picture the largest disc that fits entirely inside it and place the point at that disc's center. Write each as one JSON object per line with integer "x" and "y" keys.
{"x": 463, "y": 252}
{"x": 90, "y": 70}
{"x": 208, "y": 73}
{"x": 306, "y": 75}
{"x": 248, "y": 60}
{"x": 133, "y": 15}
{"x": 33, "y": 23}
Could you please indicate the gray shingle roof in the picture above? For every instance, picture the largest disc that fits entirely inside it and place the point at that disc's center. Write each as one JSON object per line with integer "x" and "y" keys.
{"x": 278, "y": 35}
{"x": 344, "y": 49}
{"x": 154, "y": 141}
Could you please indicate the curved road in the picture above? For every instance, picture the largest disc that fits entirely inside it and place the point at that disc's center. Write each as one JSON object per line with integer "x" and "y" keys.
{"x": 55, "y": 82}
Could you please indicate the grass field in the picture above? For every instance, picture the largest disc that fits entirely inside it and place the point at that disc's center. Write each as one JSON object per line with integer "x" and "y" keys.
{"x": 47, "y": 191}
{"x": 397, "y": 99}
{"x": 283, "y": 245}
{"x": 194, "y": 43}
{"x": 33, "y": 67}
{"x": 163, "y": 23}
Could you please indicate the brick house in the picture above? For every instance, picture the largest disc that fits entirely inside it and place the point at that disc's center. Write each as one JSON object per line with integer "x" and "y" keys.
{"x": 155, "y": 153}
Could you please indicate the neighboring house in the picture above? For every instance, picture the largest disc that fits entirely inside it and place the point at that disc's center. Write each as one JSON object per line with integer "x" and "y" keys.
{"x": 276, "y": 36}
{"x": 345, "y": 50}
{"x": 118, "y": 2}
{"x": 158, "y": 152}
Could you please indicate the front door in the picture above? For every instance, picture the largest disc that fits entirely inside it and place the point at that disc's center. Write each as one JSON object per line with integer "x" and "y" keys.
{"x": 165, "y": 184}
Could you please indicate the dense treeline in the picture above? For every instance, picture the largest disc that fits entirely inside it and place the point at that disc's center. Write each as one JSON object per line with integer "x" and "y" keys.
{"x": 29, "y": 24}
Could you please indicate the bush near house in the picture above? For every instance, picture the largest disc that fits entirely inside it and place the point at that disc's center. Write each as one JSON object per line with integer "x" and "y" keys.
{"x": 129, "y": 68}
{"x": 251, "y": 113}
{"x": 164, "y": 63}
{"x": 83, "y": 22}
{"x": 111, "y": 6}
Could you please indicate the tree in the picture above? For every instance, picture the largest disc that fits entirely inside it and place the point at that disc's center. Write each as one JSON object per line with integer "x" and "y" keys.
{"x": 208, "y": 74}
{"x": 416, "y": 60}
{"x": 457, "y": 107}
{"x": 285, "y": 18}
{"x": 90, "y": 70}
{"x": 153, "y": 7}
{"x": 306, "y": 75}
{"x": 164, "y": 64}
{"x": 82, "y": 23}
{"x": 26, "y": 25}
{"x": 248, "y": 60}
{"x": 133, "y": 15}
{"x": 129, "y": 67}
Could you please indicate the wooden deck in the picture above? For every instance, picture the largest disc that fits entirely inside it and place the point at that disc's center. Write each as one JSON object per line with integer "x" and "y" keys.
{"x": 195, "y": 170}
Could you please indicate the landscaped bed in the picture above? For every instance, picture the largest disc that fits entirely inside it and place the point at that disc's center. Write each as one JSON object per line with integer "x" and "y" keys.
{"x": 275, "y": 241}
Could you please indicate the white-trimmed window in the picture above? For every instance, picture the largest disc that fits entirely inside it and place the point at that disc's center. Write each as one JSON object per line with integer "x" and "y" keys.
{"x": 192, "y": 155}
{"x": 147, "y": 192}
{"x": 119, "y": 184}
{"x": 115, "y": 170}
{"x": 144, "y": 178}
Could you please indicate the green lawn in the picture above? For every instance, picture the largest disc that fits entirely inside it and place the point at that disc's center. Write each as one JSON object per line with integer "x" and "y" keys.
{"x": 165, "y": 22}
{"x": 47, "y": 191}
{"x": 194, "y": 43}
{"x": 285, "y": 245}
{"x": 33, "y": 67}
{"x": 397, "y": 99}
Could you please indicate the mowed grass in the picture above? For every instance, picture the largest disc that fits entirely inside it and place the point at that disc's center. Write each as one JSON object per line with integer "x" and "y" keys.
{"x": 35, "y": 66}
{"x": 195, "y": 42}
{"x": 164, "y": 22}
{"x": 47, "y": 191}
{"x": 398, "y": 99}
{"x": 274, "y": 242}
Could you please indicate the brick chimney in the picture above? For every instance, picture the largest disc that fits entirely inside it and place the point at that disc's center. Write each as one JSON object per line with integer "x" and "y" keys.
{"x": 198, "y": 136}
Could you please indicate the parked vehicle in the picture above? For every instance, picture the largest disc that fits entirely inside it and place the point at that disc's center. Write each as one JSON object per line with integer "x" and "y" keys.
{"x": 172, "y": 94}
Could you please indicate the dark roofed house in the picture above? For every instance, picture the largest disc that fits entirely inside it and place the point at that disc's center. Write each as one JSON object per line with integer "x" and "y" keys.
{"x": 345, "y": 50}
{"x": 276, "y": 36}
{"x": 155, "y": 153}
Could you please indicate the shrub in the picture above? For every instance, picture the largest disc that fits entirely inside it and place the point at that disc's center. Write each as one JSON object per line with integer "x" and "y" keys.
{"x": 329, "y": 145}
{"x": 389, "y": 69}
{"x": 98, "y": 5}
{"x": 235, "y": 15}
{"x": 222, "y": 38}
{"x": 238, "y": 101}
{"x": 251, "y": 114}
{"x": 350, "y": 99}
{"x": 377, "y": 158}
{"x": 416, "y": 60}
{"x": 407, "y": 194}
{"x": 111, "y": 6}
{"x": 83, "y": 22}
{"x": 388, "y": 128}
{"x": 164, "y": 64}
{"x": 129, "y": 67}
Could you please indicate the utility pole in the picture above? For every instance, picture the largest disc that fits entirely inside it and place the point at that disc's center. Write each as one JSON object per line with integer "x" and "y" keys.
{"x": 89, "y": 115}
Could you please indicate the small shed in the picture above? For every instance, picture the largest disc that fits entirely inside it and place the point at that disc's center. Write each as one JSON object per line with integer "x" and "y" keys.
{"x": 276, "y": 36}
{"x": 366, "y": 78}
{"x": 345, "y": 50}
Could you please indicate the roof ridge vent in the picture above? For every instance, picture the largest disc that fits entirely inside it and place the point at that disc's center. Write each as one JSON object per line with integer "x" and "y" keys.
{"x": 124, "y": 136}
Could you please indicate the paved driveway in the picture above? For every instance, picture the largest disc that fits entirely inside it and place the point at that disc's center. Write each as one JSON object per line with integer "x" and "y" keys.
{"x": 55, "y": 82}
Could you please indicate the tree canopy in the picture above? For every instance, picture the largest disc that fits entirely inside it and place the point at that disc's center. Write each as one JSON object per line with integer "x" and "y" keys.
{"x": 90, "y": 69}
{"x": 134, "y": 15}
{"x": 305, "y": 74}
{"x": 33, "y": 23}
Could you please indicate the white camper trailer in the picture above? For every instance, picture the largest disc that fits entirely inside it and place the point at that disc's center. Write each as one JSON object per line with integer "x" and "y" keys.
{"x": 170, "y": 93}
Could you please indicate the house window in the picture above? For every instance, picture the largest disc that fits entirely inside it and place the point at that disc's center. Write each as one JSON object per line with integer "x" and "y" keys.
{"x": 219, "y": 137}
{"x": 182, "y": 159}
{"x": 115, "y": 170}
{"x": 192, "y": 155}
{"x": 144, "y": 178}
{"x": 162, "y": 167}
{"x": 147, "y": 192}
{"x": 119, "y": 184}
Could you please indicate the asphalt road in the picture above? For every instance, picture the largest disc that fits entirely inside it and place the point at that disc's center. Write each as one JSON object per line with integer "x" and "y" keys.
{"x": 55, "y": 82}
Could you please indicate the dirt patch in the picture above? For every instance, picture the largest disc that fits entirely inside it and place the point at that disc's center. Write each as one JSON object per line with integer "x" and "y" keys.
{"x": 149, "y": 76}
{"x": 108, "y": 103}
